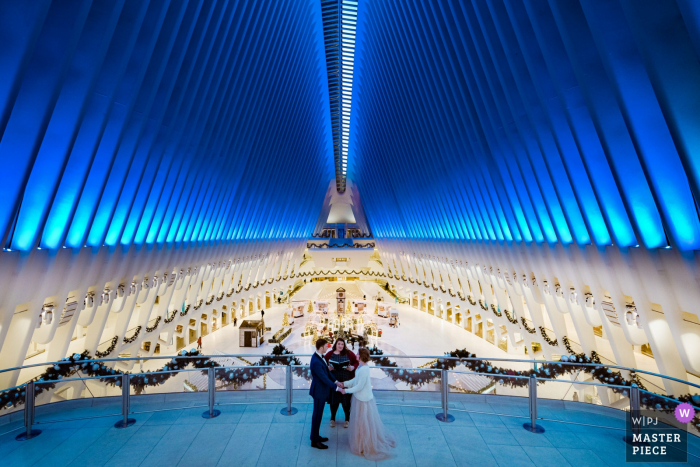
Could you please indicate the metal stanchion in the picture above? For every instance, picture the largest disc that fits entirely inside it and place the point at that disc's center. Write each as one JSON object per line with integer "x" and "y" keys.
{"x": 289, "y": 410}
{"x": 444, "y": 390}
{"x": 28, "y": 414}
{"x": 532, "y": 425}
{"x": 126, "y": 421}
{"x": 212, "y": 412}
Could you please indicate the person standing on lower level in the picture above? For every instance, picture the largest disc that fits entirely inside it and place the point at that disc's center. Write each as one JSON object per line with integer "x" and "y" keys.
{"x": 199, "y": 343}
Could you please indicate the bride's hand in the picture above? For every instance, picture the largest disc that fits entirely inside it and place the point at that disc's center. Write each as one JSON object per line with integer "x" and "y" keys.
{"x": 350, "y": 367}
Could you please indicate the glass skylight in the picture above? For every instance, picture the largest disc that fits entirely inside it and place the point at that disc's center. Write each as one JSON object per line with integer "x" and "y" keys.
{"x": 339, "y": 25}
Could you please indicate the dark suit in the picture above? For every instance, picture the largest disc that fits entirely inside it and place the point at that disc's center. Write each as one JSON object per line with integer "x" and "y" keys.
{"x": 322, "y": 383}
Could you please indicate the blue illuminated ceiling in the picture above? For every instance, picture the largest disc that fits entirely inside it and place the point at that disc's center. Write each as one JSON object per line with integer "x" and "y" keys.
{"x": 529, "y": 121}
{"x": 137, "y": 122}
{"x": 140, "y": 122}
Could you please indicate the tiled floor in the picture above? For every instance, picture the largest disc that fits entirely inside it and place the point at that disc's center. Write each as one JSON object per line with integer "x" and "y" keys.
{"x": 258, "y": 435}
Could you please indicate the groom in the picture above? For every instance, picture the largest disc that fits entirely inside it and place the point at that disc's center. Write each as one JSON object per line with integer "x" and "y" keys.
{"x": 322, "y": 383}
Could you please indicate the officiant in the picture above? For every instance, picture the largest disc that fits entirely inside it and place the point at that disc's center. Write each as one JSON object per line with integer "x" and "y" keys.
{"x": 342, "y": 362}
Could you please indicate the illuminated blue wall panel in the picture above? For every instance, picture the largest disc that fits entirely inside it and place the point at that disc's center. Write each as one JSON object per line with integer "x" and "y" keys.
{"x": 141, "y": 122}
{"x": 551, "y": 121}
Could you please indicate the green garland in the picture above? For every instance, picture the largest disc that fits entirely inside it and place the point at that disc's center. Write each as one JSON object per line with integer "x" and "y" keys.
{"x": 527, "y": 328}
{"x": 510, "y": 318}
{"x": 415, "y": 377}
{"x": 411, "y": 376}
{"x": 83, "y": 363}
{"x": 553, "y": 343}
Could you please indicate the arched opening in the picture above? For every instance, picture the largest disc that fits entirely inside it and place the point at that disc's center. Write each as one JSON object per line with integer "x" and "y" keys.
{"x": 203, "y": 331}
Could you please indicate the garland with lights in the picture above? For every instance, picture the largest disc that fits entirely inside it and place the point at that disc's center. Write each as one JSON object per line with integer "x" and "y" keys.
{"x": 553, "y": 343}
{"x": 109, "y": 349}
{"x": 83, "y": 363}
{"x": 129, "y": 340}
{"x": 483, "y": 305}
{"x": 527, "y": 328}
{"x": 170, "y": 320}
{"x": 510, "y": 318}
{"x": 416, "y": 377}
{"x": 411, "y": 376}
{"x": 155, "y": 325}
{"x": 496, "y": 311}
{"x": 344, "y": 245}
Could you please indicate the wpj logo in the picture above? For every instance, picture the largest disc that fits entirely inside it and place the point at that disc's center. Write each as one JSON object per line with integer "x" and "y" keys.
{"x": 684, "y": 412}
{"x": 657, "y": 437}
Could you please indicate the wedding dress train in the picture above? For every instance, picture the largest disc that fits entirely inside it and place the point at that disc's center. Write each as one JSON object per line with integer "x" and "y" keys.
{"x": 368, "y": 435}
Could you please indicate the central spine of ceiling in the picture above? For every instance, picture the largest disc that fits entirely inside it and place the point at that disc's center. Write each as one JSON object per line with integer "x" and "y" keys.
{"x": 339, "y": 29}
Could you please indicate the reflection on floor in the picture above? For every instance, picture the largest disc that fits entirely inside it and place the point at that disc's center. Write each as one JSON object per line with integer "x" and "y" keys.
{"x": 247, "y": 434}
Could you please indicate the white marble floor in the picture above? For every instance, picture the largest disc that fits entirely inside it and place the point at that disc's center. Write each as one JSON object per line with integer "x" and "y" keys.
{"x": 419, "y": 333}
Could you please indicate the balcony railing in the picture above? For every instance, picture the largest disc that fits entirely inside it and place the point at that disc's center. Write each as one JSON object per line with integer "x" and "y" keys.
{"x": 290, "y": 381}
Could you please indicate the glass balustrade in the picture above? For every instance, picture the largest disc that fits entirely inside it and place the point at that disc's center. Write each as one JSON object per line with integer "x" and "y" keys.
{"x": 432, "y": 385}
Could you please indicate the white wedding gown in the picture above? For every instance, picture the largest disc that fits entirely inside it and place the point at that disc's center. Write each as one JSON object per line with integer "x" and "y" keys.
{"x": 368, "y": 436}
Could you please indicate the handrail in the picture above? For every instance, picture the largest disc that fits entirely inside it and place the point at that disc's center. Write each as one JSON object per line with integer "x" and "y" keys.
{"x": 443, "y": 357}
{"x": 443, "y": 382}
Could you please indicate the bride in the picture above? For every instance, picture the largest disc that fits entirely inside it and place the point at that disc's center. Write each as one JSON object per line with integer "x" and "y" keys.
{"x": 367, "y": 434}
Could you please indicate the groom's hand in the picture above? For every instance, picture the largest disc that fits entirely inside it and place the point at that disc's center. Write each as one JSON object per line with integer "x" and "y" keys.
{"x": 339, "y": 384}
